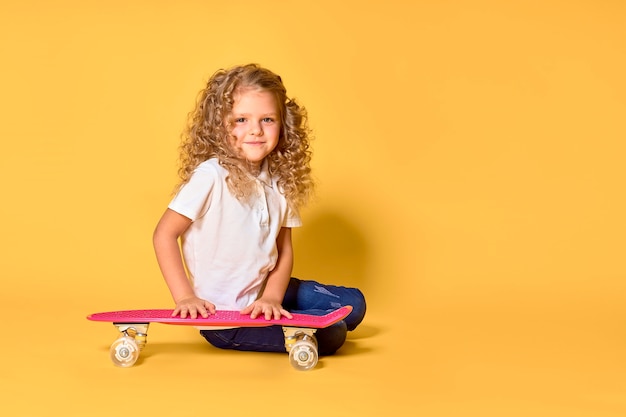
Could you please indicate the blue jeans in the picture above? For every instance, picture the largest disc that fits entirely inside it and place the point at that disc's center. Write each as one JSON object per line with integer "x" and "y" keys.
{"x": 307, "y": 297}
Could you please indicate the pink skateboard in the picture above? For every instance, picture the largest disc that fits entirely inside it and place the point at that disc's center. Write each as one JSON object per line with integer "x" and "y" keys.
{"x": 299, "y": 331}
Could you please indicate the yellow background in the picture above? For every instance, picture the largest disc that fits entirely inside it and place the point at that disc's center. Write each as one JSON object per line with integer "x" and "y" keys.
{"x": 470, "y": 160}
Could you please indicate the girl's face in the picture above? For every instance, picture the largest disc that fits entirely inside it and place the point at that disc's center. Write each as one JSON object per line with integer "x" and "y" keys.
{"x": 256, "y": 125}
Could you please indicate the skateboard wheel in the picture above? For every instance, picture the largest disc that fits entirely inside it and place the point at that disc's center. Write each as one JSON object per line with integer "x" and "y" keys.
{"x": 124, "y": 352}
{"x": 303, "y": 355}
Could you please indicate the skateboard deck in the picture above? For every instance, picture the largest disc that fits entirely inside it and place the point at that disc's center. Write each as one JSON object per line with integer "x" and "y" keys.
{"x": 221, "y": 318}
{"x": 299, "y": 331}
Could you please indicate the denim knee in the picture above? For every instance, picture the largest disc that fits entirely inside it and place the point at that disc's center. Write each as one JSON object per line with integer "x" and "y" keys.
{"x": 357, "y": 300}
{"x": 331, "y": 338}
{"x": 257, "y": 339}
{"x": 218, "y": 339}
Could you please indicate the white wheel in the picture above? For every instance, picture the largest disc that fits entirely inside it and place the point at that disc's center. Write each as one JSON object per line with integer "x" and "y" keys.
{"x": 303, "y": 355}
{"x": 124, "y": 352}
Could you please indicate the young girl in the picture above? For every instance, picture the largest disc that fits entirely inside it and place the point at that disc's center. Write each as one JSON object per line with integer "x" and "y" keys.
{"x": 245, "y": 173}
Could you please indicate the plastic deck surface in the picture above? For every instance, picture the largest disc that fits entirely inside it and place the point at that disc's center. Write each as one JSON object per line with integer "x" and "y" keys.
{"x": 220, "y": 318}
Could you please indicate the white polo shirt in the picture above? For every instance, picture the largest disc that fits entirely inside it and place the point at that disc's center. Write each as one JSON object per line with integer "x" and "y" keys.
{"x": 230, "y": 246}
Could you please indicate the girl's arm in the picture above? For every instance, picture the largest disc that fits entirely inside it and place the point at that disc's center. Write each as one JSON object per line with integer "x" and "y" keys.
{"x": 270, "y": 302}
{"x": 171, "y": 226}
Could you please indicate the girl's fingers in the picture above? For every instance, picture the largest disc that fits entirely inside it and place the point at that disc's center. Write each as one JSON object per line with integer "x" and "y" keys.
{"x": 193, "y": 309}
{"x": 269, "y": 312}
{"x": 209, "y": 307}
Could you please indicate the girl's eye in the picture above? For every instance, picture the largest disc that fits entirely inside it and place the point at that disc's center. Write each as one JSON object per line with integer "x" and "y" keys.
{"x": 240, "y": 120}
{"x": 268, "y": 120}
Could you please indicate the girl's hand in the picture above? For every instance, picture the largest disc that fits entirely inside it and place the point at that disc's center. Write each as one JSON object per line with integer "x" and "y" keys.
{"x": 192, "y": 306}
{"x": 269, "y": 309}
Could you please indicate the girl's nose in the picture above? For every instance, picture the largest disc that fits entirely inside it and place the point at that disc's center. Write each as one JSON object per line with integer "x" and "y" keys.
{"x": 255, "y": 130}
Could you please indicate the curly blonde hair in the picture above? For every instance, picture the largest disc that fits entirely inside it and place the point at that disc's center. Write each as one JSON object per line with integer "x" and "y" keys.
{"x": 207, "y": 134}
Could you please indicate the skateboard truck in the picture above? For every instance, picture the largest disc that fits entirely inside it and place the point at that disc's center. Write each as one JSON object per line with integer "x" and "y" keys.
{"x": 133, "y": 338}
{"x": 301, "y": 345}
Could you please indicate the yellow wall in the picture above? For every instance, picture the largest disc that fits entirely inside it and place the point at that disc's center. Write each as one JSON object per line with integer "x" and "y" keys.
{"x": 470, "y": 155}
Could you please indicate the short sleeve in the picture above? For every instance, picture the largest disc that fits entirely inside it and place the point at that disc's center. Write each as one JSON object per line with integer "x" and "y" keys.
{"x": 193, "y": 198}
{"x": 292, "y": 219}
